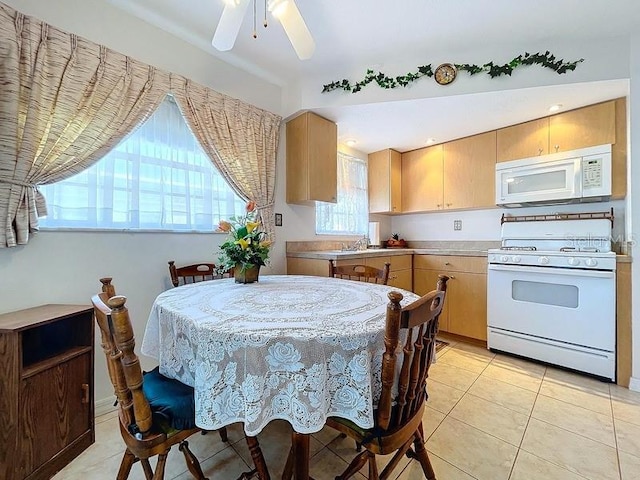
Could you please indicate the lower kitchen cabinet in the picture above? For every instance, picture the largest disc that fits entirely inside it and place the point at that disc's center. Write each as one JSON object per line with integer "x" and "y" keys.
{"x": 400, "y": 270}
{"x": 465, "y": 306}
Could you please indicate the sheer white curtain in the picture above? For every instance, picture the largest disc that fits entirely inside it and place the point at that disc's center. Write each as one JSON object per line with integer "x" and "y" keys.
{"x": 158, "y": 178}
{"x": 350, "y": 214}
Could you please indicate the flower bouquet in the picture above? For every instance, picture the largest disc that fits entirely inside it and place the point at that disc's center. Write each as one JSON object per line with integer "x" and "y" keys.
{"x": 247, "y": 248}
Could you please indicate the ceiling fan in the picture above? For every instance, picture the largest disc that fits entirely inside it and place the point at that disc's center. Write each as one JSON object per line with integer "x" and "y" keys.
{"x": 286, "y": 11}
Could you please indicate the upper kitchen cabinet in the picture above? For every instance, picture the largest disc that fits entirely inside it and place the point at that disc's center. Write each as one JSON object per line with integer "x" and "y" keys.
{"x": 385, "y": 182}
{"x": 469, "y": 172}
{"x": 422, "y": 179}
{"x": 523, "y": 140}
{"x": 312, "y": 149}
{"x": 584, "y": 127}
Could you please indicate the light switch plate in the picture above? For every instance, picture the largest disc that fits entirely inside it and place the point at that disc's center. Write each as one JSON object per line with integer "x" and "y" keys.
{"x": 278, "y": 220}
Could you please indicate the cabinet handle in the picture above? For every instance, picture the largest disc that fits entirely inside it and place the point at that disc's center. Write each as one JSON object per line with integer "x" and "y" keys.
{"x": 439, "y": 205}
{"x": 557, "y": 147}
{"x": 452, "y": 277}
{"x": 540, "y": 150}
{"x": 393, "y": 277}
{"x": 449, "y": 204}
{"x": 447, "y": 263}
{"x": 85, "y": 393}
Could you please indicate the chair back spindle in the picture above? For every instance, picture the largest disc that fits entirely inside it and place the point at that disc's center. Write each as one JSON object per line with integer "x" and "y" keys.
{"x": 198, "y": 272}
{"x": 360, "y": 273}
{"x": 418, "y": 324}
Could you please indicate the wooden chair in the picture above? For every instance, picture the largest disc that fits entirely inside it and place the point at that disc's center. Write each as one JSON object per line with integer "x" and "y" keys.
{"x": 361, "y": 273}
{"x": 197, "y": 272}
{"x": 148, "y": 427}
{"x": 145, "y": 434}
{"x": 398, "y": 419}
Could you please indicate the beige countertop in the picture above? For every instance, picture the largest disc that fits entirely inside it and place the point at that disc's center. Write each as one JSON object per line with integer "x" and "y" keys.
{"x": 383, "y": 252}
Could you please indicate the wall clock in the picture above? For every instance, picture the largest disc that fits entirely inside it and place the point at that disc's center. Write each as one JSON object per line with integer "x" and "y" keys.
{"x": 445, "y": 73}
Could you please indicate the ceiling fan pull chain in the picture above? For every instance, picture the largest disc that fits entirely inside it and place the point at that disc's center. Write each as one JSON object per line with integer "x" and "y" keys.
{"x": 265, "y": 13}
{"x": 255, "y": 33}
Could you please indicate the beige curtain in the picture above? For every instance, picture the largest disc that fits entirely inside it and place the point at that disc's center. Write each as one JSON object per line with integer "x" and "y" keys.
{"x": 64, "y": 103}
{"x": 240, "y": 139}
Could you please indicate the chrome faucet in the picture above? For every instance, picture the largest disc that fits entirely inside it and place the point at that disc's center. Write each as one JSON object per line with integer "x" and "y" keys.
{"x": 360, "y": 244}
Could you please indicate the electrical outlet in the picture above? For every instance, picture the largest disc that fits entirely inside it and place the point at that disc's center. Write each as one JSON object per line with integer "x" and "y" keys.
{"x": 457, "y": 224}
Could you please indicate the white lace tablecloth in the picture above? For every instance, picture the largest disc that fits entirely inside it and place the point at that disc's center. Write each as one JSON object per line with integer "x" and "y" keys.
{"x": 290, "y": 347}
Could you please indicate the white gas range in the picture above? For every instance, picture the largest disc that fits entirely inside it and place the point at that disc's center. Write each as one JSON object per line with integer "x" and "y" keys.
{"x": 551, "y": 291}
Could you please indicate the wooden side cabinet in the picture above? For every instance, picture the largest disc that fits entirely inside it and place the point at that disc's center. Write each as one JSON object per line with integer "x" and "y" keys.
{"x": 46, "y": 389}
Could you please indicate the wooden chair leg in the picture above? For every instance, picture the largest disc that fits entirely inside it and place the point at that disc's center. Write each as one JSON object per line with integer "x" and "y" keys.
{"x": 192, "y": 462}
{"x": 258, "y": 460}
{"x": 162, "y": 461}
{"x": 125, "y": 466}
{"x": 373, "y": 468}
{"x": 393, "y": 463}
{"x": 356, "y": 464}
{"x": 146, "y": 467}
{"x": 287, "y": 473}
{"x": 423, "y": 456}
{"x": 223, "y": 434}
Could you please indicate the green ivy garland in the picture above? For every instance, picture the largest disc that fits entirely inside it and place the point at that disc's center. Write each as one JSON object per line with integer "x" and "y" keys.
{"x": 546, "y": 60}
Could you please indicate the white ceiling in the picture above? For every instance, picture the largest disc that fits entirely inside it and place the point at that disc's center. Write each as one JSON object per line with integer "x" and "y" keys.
{"x": 353, "y": 33}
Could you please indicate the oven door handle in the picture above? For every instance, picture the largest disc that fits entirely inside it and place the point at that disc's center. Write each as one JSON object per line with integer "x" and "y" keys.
{"x": 569, "y": 272}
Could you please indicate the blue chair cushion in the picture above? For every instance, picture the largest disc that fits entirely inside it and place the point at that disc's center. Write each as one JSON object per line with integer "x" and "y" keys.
{"x": 169, "y": 399}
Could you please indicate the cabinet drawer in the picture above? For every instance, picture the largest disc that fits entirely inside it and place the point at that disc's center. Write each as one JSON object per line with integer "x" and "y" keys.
{"x": 398, "y": 262}
{"x": 451, "y": 263}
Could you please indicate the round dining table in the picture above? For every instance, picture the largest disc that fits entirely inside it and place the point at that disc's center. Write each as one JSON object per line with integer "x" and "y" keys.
{"x": 298, "y": 348}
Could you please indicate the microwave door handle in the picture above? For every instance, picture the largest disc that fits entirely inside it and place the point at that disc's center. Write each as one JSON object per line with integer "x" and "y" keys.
{"x": 577, "y": 180}
{"x": 569, "y": 272}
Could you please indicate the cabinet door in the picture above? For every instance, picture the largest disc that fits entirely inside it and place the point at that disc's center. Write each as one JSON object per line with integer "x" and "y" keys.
{"x": 323, "y": 159}
{"x": 422, "y": 179}
{"x": 308, "y": 266}
{"x": 312, "y": 149}
{"x": 384, "y": 171}
{"x": 525, "y": 140}
{"x": 469, "y": 172}
{"x": 425, "y": 281}
{"x": 467, "y": 303}
{"x": 584, "y": 127}
{"x": 55, "y": 410}
{"x": 401, "y": 279}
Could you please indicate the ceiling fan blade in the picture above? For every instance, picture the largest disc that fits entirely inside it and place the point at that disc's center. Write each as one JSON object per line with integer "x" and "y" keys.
{"x": 229, "y": 25}
{"x": 287, "y": 12}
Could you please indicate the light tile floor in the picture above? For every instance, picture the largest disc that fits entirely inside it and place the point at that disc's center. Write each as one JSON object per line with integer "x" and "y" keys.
{"x": 489, "y": 417}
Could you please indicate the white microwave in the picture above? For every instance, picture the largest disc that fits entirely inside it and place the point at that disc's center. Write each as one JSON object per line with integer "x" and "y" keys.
{"x": 566, "y": 177}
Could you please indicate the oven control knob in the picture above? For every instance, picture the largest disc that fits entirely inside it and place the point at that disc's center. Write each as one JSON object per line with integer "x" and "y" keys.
{"x": 516, "y": 259}
{"x": 504, "y": 258}
{"x": 543, "y": 260}
{"x": 591, "y": 262}
{"x": 573, "y": 261}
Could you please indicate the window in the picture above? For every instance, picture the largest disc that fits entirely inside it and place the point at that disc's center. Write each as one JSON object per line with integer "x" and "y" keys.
{"x": 158, "y": 178}
{"x": 350, "y": 214}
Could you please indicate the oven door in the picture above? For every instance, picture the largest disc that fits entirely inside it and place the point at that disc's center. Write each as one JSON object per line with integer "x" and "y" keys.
{"x": 566, "y": 305}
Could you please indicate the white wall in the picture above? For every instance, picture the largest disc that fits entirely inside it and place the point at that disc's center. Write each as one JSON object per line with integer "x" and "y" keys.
{"x": 485, "y": 224}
